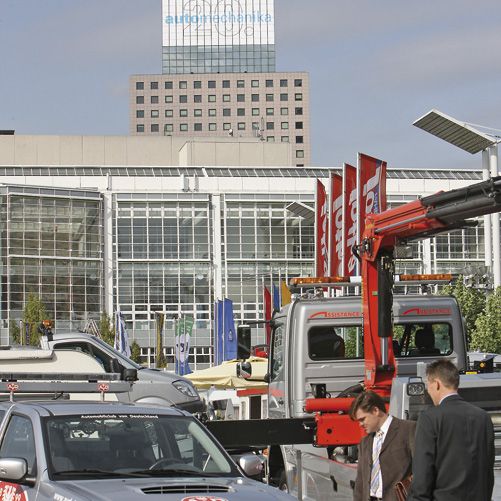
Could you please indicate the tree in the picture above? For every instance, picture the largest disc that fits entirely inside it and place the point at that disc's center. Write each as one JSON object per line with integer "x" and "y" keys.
{"x": 107, "y": 329}
{"x": 34, "y": 313}
{"x": 135, "y": 352}
{"x": 471, "y": 302}
{"x": 487, "y": 335}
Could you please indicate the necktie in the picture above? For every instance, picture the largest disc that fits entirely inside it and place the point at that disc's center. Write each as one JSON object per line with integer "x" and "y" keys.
{"x": 376, "y": 467}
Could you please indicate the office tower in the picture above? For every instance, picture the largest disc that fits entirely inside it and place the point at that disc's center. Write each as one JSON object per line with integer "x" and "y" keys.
{"x": 218, "y": 78}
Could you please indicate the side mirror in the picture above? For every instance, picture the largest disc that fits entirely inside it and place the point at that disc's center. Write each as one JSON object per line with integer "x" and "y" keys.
{"x": 267, "y": 378}
{"x": 251, "y": 465}
{"x": 114, "y": 366}
{"x": 244, "y": 370}
{"x": 13, "y": 469}
{"x": 129, "y": 375}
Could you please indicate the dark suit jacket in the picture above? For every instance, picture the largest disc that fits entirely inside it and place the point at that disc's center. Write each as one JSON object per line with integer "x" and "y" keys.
{"x": 395, "y": 459}
{"x": 454, "y": 456}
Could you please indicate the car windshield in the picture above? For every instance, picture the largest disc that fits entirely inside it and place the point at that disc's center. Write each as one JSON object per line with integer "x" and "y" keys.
{"x": 131, "y": 444}
{"x": 107, "y": 348}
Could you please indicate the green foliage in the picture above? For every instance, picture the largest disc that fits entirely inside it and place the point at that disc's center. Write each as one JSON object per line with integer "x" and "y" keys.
{"x": 107, "y": 329}
{"x": 135, "y": 352}
{"x": 487, "y": 335}
{"x": 471, "y": 302}
{"x": 15, "y": 332}
{"x": 34, "y": 313}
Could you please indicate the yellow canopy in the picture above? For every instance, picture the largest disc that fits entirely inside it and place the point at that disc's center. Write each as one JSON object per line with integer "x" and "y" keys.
{"x": 225, "y": 375}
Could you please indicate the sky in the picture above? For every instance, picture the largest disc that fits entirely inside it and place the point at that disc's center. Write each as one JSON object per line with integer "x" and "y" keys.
{"x": 375, "y": 67}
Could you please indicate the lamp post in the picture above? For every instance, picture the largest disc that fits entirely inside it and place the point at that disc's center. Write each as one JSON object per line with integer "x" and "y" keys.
{"x": 473, "y": 141}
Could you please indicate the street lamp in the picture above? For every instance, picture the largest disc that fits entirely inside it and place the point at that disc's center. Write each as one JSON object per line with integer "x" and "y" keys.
{"x": 471, "y": 140}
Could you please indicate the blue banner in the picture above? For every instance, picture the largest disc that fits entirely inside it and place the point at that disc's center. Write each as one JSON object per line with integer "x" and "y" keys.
{"x": 276, "y": 297}
{"x": 218, "y": 332}
{"x": 121, "y": 338}
{"x": 230, "y": 341}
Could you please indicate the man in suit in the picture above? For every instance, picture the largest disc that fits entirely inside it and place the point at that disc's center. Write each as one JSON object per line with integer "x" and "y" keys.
{"x": 454, "y": 456}
{"x": 385, "y": 454}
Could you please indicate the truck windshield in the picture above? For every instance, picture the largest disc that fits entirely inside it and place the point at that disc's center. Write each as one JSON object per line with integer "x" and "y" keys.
{"x": 131, "y": 444}
{"x": 327, "y": 342}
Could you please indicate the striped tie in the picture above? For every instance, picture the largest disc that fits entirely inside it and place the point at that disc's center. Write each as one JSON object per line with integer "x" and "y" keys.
{"x": 376, "y": 467}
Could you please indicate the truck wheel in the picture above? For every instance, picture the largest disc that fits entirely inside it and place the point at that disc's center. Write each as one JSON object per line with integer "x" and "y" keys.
{"x": 282, "y": 482}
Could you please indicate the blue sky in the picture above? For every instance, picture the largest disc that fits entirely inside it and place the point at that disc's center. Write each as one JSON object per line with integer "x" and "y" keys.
{"x": 375, "y": 66}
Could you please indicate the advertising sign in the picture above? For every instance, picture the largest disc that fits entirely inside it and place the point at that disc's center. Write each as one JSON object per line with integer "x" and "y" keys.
{"x": 336, "y": 226}
{"x": 217, "y": 22}
{"x": 371, "y": 188}
{"x": 184, "y": 327}
{"x": 322, "y": 232}
{"x": 349, "y": 218}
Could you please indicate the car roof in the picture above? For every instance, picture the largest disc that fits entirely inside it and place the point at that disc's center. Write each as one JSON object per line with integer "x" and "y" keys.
{"x": 71, "y": 407}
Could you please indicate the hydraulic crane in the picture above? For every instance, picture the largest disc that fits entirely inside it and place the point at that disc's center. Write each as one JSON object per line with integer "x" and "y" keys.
{"x": 427, "y": 216}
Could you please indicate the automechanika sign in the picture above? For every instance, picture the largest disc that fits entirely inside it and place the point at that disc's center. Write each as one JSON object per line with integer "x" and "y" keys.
{"x": 218, "y": 22}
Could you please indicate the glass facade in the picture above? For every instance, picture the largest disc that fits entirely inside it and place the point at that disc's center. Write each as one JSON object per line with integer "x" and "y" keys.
{"x": 174, "y": 252}
{"x": 52, "y": 246}
{"x": 218, "y": 59}
{"x": 162, "y": 256}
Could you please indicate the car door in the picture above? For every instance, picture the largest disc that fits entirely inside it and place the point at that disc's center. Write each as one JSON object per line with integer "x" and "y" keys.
{"x": 18, "y": 441}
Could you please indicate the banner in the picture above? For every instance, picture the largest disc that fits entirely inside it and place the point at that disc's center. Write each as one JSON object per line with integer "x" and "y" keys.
{"x": 321, "y": 231}
{"x": 371, "y": 188}
{"x": 276, "y": 297}
{"x": 160, "y": 361}
{"x": 267, "y": 312}
{"x": 350, "y": 219}
{"x": 336, "y": 226}
{"x": 184, "y": 327}
{"x": 121, "y": 343}
{"x": 218, "y": 332}
{"x": 230, "y": 340}
{"x": 286, "y": 293}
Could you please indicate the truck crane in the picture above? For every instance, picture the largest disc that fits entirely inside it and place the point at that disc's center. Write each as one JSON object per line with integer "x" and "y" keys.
{"x": 312, "y": 440}
{"x": 422, "y": 218}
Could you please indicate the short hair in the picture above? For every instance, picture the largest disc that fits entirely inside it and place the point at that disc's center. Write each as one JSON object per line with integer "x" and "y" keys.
{"x": 366, "y": 401}
{"x": 445, "y": 371}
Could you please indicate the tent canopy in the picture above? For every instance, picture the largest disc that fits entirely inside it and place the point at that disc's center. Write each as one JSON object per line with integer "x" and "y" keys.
{"x": 225, "y": 375}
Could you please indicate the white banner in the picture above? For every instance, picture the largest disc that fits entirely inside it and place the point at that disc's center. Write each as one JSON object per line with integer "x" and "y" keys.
{"x": 218, "y": 22}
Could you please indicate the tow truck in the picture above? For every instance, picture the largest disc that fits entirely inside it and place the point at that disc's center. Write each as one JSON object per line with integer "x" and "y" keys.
{"x": 311, "y": 439}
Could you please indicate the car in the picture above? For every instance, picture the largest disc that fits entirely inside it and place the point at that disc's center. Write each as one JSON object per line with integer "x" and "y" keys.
{"x": 154, "y": 386}
{"x": 99, "y": 451}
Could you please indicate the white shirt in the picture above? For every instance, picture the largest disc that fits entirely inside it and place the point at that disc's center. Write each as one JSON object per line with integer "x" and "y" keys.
{"x": 384, "y": 430}
{"x": 446, "y": 396}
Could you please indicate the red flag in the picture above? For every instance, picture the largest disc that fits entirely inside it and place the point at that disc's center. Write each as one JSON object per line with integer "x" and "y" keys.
{"x": 336, "y": 226}
{"x": 267, "y": 312}
{"x": 349, "y": 218}
{"x": 322, "y": 232}
{"x": 371, "y": 188}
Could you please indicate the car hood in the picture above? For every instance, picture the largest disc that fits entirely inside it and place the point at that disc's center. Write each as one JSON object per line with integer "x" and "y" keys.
{"x": 178, "y": 489}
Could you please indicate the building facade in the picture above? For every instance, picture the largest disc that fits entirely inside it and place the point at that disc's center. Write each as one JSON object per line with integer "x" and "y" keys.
{"x": 89, "y": 231}
{"x": 218, "y": 78}
{"x": 214, "y": 36}
{"x": 270, "y": 107}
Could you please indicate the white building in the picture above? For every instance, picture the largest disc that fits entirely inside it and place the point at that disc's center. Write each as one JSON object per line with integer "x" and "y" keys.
{"x": 150, "y": 224}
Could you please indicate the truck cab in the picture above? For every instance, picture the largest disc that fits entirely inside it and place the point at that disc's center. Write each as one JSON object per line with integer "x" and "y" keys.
{"x": 320, "y": 342}
{"x": 153, "y": 387}
{"x": 317, "y": 351}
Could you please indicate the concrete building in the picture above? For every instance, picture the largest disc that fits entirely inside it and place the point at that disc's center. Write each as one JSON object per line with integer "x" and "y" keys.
{"x": 269, "y": 107}
{"x": 92, "y": 224}
{"x": 219, "y": 79}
